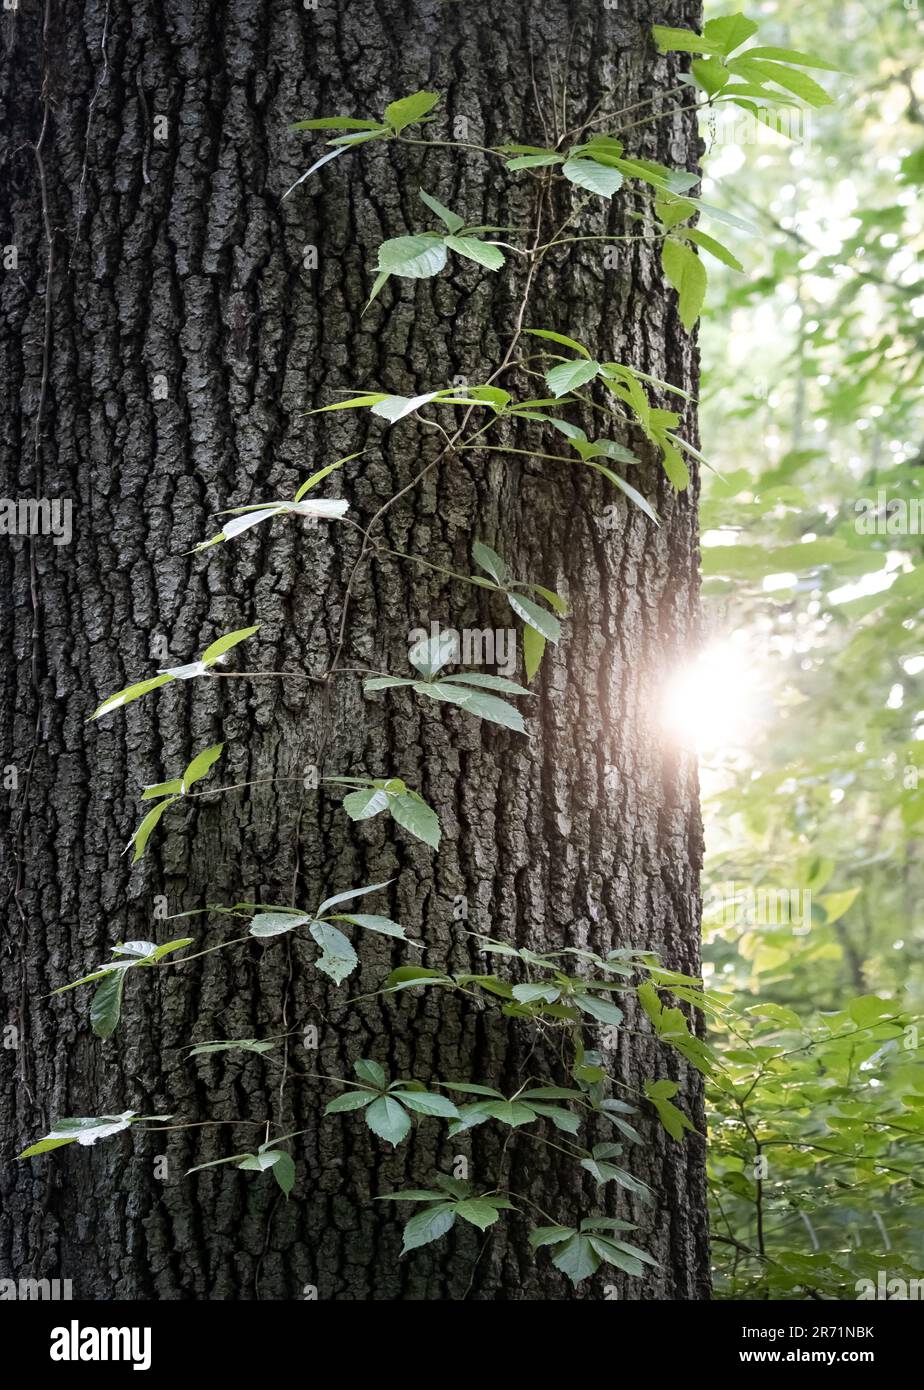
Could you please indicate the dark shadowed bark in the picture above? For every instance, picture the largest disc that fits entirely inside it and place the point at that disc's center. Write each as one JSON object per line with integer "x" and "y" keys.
{"x": 163, "y": 378}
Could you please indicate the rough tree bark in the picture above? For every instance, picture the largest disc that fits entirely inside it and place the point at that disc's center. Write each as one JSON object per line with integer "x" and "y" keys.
{"x": 186, "y": 332}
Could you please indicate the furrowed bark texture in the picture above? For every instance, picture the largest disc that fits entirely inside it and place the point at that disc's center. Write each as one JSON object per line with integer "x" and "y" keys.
{"x": 186, "y": 329}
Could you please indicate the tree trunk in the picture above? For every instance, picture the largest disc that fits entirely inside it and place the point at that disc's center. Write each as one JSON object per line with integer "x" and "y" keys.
{"x": 185, "y": 331}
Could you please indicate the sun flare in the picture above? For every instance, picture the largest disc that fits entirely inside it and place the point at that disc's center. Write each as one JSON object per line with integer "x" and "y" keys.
{"x": 711, "y": 703}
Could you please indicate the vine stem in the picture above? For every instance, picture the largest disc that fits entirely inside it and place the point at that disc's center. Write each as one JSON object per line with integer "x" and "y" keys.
{"x": 198, "y": 1124}
{"x": 452, "y": 145}
{"x": 237, "y": 786}
{"x": 626, "y": 111}
{"x": 570, "y": 240}
{"x": 521, "y": 1197}
{"x": 222, "y": 945}
{"x": 659, "y": 115}
{"x": 256, "y": 675}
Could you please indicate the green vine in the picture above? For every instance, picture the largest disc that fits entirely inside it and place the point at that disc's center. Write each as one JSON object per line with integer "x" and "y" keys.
{"x": 537, "y": 989}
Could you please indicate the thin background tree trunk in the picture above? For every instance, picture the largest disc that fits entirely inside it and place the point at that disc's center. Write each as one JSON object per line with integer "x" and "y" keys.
{"x": 164, "y": 155}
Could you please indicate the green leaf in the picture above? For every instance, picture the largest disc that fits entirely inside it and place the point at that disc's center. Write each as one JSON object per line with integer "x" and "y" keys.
{"x": 596, "y": 178}
{"x": 577, "y": 1258}
{"x": 277, "y": 923}
{"x": 483, "y": 252}
{"x": 836, "y": 904}
{"x": 372, "y": 922}
{"x": 487, "y": 682}
{"x": 632, "y": 493}
{"x": 412, "y": 257}
{"x": 432, "y": 653}
{"x": 385, "y": 683}
{"x": 337, "y": 958}
{"x": 568, "y": 376}
{"x": 323, "y": 473}
{"x": 509, "y": 1112}
{"x": 378, "y": 284}
{"x": 131, "y": 692}
{"x": 106, "y": 1008}
{"x": 612, "y": 1254}
{"x": 493, "y": 710}
{"x": 201, "y": 764}
{"x": 672, "y": 1118}
{"x": 426, "y": 1104}
{"x": 231, "y": 1045}
{"x": 869, "y": 1008}
{"x": 395, "y": 408}
{"x": 260, "y": 1162}
{"x": 729, "y": 32}
{"x": 85, "y": 1130}
{"x": 348, "y": 894}
{"x": 534, "y": 161}
{"x": 351, "y": 1100}
{"x": 335, "y": 123}
{"x": 550, "y": 1235}
{"x": 687, "y": 274}
{"x": 609, "y": 449}
{"x": 559, "y": 338}
{"x": 389, "y": 1120}
{"x": 44, "y": 1146}
{"x": 675, "y": 466}
{"x": 428, "y": 1225}
{"x": 284, "y": 1171}
{"x": 224, "y": 644}
{"x": 157, "y": 789}
{"x": 371, "y": 1072}
{"x": 369, "y": 398}
{"x": 603, "y": 1172}
{"x": 799, "y": 83}
{"x": 533, "y": 650}
{"x": 362, "y": 805}
{"x": 561, "y": 1118}
{"x": 671, "y": 40}
{"x": 143, "y": 833}
{"x": 715, "y": 248}
{"x": 409, "y": 110}
{"x": 413, "y": 814}
{"x": 790, "y": 55}
{"x": 534, "y": 994}
{"x": 600, "y": 1009}
{"x": 477, "y": 1212}
{"x": 489, "y": 560}
{"x": 494, "y": 396}
{"x": 631, "y": 1250}
{"x": 535, "y": 617}
{"x": 340, "y": 148}
{"x": 449, "y": 218}
{"x": 711, "y": 74}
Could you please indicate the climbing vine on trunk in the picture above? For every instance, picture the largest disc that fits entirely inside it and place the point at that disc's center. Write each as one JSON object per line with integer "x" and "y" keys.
{"x": 569, "y": 998}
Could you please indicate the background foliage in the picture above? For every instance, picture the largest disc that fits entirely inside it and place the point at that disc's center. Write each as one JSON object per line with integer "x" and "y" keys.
{"x": 815, "y": 781}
